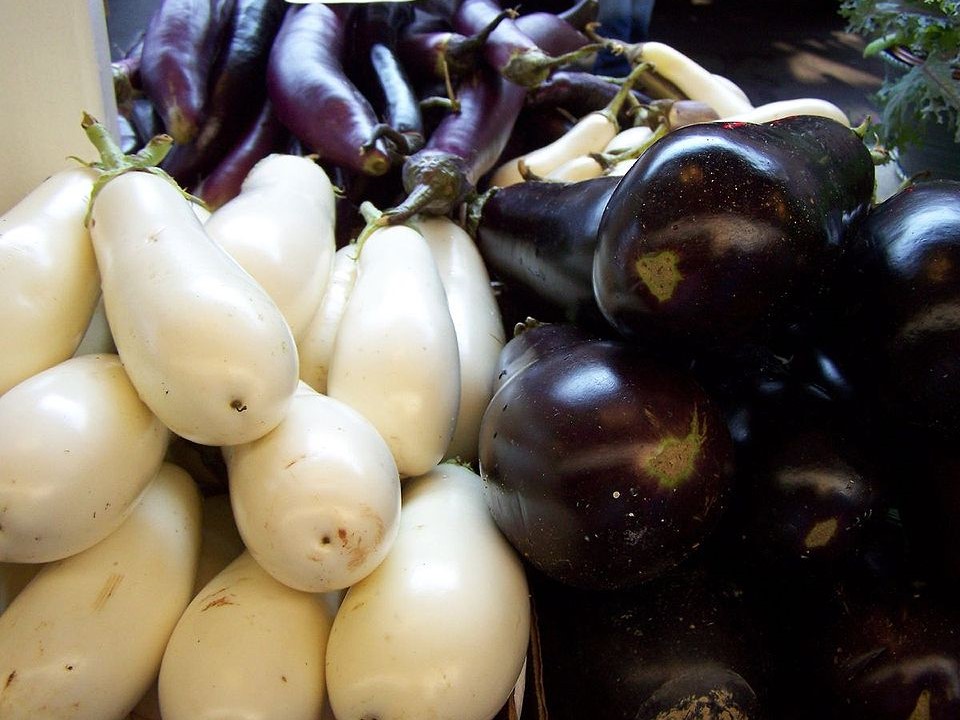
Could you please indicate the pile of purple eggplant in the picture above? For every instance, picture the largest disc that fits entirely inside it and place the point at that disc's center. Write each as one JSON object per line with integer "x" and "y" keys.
{"x": 723, "y": 436}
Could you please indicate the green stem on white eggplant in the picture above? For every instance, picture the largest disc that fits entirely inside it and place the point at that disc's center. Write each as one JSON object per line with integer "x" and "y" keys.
{"x": 114, "y": 162}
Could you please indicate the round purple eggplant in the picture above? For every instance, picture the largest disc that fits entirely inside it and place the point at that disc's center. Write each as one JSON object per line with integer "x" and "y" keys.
{"x": 726, "y": 232}
{"x": 903, "y": 269}
{"x": 603, "y": 467}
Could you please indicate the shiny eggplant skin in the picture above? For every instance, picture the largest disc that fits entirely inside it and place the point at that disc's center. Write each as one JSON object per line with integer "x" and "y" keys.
{"x": 602, "y": 466}
{"x": 684, "y": 641}
{"x": 531, "y": 341}
{"x": 903, "y": 269}
{"x": 726, "y": 232}
{"x": 896, "y": 656}
{"x": 538, "y": 238}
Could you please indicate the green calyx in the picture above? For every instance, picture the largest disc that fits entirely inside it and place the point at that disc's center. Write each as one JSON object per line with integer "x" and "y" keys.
{"x": 114, "y": 162}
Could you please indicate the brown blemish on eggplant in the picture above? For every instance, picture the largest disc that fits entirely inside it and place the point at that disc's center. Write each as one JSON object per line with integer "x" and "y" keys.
{"x": 238, "y": 405}
{"x": 218, "y": 598}
{"x": 106, "y": 592}
{"x": 821, "y": 534}
{"x": 921, "y": 711}
{"x": 718, "y": 704}
{"x": 221, "y": 601}
{"x": 659, "y": 273}
{"x": 360, "y": 551}
{"x": 672, "y": 460}
{"x": 10, "y": 679}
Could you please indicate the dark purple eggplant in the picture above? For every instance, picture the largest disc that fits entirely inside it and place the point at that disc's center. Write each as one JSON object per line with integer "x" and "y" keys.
{"x": 508, "y": 49}
{"x": 401, "y": 107}
{"x": 724, "y": 233}
{"x": 462, "y": 148}
{"x": 313, "y": 96}
{"x": 902, "y": 273}
{"x": 896, "y": 657}
{"x": 539, "y": 240}
{"x": 682, "y": 641}
{"x": 530, "y": 341}
{"x": 179, "y": 46}
{"x": 237, "y": 90}
{"x": 265, "y": 135}
{"x": 238, "y": 78}
{"x": 552, "y": 34}
{"x": 602, "y": 466}
{"x": 580, "y": 92}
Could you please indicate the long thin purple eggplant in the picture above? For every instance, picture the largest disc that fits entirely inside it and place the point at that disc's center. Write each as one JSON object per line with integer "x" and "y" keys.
{"x": 508, "y": 49}
{"x": 313, "y": 96}
{"x": 579, "y": 92}
{"x": 442, "y": 52}
{"x": 237, "y": 90}
{"x": 401, "y": 107}
{"x": 264, "y": 136}
{"x": 382, "y": 78}
{"x": 463, "y": 148}
{"x": 179, "y": 46}
{"x": 551, "y": 33}
{"x": 238, "y": 78}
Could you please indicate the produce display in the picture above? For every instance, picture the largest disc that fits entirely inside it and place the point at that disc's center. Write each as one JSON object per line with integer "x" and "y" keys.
{"x": 394, "y": 363}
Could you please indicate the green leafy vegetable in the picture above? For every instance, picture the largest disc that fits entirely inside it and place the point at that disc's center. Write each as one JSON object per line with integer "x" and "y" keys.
{"x": 921, "y": 38}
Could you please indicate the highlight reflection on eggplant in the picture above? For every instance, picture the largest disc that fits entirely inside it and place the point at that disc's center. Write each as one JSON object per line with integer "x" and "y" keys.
{"x": 602, "y": 466}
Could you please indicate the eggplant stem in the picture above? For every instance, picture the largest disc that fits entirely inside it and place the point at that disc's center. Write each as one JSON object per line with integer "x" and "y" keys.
{"x": 531, "y": 67}
{"x": 399, "y": 140}
{"x": 114, "y": 162}
{"x": 463, "y": 55}
{"x": 624, "y": 93}
{"x": 608, "y": 160}
{"x": 474, "y": 211}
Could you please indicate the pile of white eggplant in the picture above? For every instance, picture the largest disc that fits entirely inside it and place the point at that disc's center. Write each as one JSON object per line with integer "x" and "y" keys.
{"x": 352, "y": 569}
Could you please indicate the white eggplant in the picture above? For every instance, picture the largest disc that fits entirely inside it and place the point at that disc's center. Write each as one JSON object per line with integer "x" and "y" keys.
{"x": 247, "y": 646}
{"x": 204, "y": 344}
{"x": 795, "y": 106}
{"x": 79, "y": 447}
{"x": 395, "y": 359}
{"x": 317, "y": 500}
{"x": 85, "y": 639}
{"x": 476, "y": 318}
{"x": 315, "y": 348}
{"x": 588, "y": 135}
{"x": 280, "y": 228}
{"x": 440, "y": 629}
{"x": 48, "y": 274}
{"x": 696, "y": 82}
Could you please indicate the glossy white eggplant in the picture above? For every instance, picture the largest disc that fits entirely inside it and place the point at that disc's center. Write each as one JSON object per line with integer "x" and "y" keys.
{"x": 315, "y": 348}
{"x": 78, "y": 449}
{"x": 49, "y": 276}
{"x": 395, "y": 359}
{"x": 280, "y": 229}
{"x": 84, "y": 640}
{"x": 440, "y": 629}
{"x": 317, "y": 500}
{"x": 476, "y": 318}
{"x": 249, "y": 647}
{"x": 204, "y": 344}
